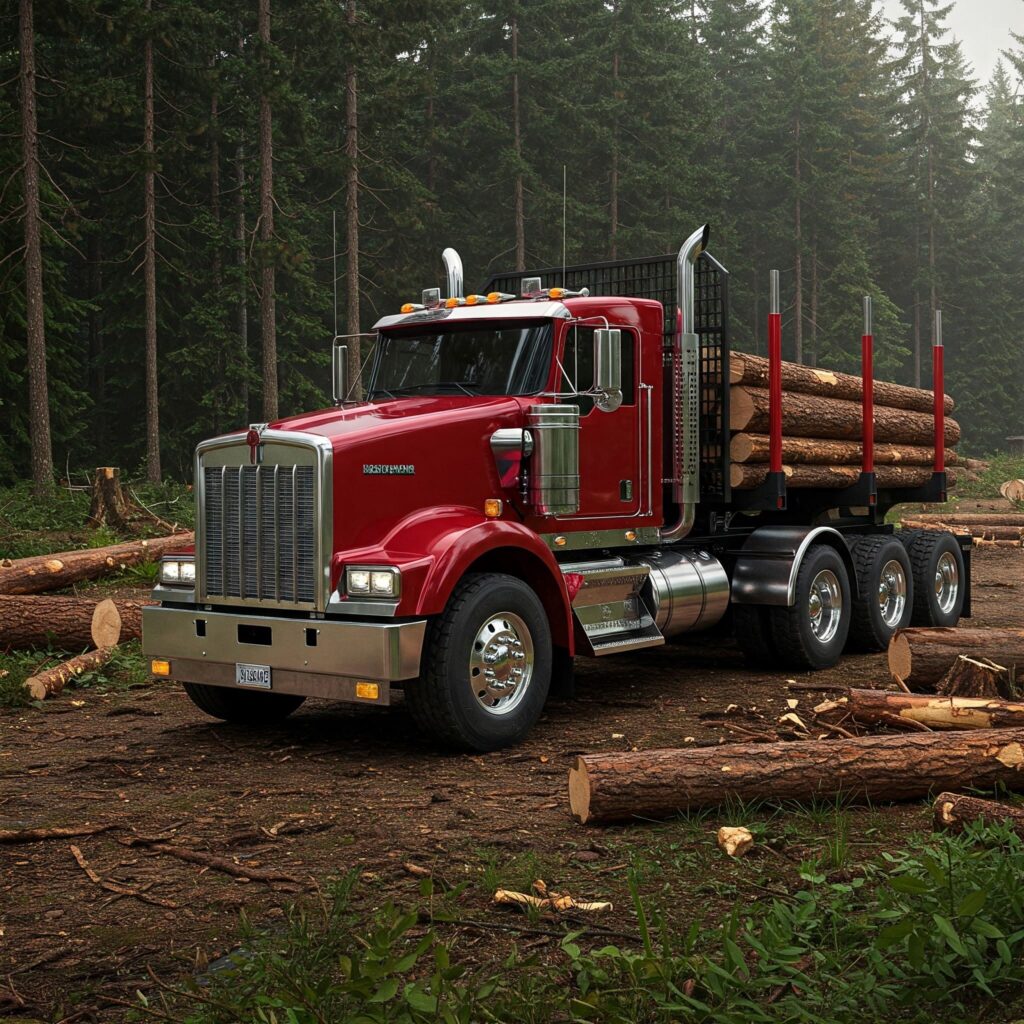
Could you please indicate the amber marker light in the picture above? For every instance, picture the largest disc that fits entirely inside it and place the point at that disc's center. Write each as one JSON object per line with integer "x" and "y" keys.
{"x": 494, "y": 296}
{"x": 368, "y": 691}
{"x": 160, "y": 667}
{"x": 556, "y": 293}
{"x": 493, "y": 507}
{"x": 631, "y": 535}
{"x": 560, "y": 542}
{"x": 451, "y": 303}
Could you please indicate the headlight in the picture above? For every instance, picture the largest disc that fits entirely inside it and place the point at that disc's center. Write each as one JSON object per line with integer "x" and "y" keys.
{"x": 178, "y": 571}
{"x": 373, "y": 582}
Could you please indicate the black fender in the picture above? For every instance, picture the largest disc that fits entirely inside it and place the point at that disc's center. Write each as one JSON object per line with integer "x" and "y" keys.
{"x": 767, "y": 564}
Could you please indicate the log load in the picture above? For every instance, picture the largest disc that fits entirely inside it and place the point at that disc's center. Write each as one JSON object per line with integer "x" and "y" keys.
{"x": 873, "y": 707}
{"x": 808, "y": 380}
{"x": 953, "y": 813}
{"x": 605, "y": 788}
{"x": 921, "y": 657}
{"x": 52, "y": 572}
{"x": 50, "y": 682}
{"x": 814, "y": 416}
{"x": 70, "y": 623}
{"x": 809, "y": 450}
{"x": 743, "y": 476}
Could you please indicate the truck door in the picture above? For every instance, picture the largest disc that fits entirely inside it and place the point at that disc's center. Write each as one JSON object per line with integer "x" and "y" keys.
{"x": 610, "y": 463}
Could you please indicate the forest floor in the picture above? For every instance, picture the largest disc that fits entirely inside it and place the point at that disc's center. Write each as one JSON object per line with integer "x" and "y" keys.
{"x": 338, "y": 789}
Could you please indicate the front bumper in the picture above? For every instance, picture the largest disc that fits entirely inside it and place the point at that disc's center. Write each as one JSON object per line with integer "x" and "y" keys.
{"x": 312, "y": 657}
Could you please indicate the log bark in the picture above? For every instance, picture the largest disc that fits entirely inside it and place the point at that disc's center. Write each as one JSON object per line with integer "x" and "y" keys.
{"x": 52, "y": 572}
{"x": 753, "y": 371}
{"x": 972, "y": 518}
{"x": 922, "y": 656}
{"x": 70, "y": 623}
{"x": 743, "y": 475}
{"x": 953, "y": 813}
{"x": 974, "y": 529}
{"x": 53, "y": 680}
{"x": 975, "y": 677}
{"x": 607, "y": 788}
{"x": 937, "y": 712}
{"x": 814, "y": 416}
{"x": 754, "y": 448}
{"x": 108, "y": 505}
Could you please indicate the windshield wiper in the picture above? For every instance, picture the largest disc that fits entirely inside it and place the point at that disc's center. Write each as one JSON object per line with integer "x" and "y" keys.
{"x": 432, "y": 384}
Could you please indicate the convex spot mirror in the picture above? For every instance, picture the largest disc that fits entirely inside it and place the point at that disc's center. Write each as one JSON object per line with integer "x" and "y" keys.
{"x": 608, "y": 369}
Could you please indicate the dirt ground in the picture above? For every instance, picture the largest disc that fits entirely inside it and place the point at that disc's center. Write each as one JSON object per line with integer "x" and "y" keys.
{"x": 338, "y": 788}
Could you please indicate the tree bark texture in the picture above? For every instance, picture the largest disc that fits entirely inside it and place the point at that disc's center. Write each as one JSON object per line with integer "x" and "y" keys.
{"x": 35, "y": 310}
{"x": 814, "y": 416}
{"x": 108, "y": 505}
{"x": 53, "y": 680}
{"x": 745, "y": 475}
{"x": 922, "y": 656}
{"x": 975, "y": 677}
{"x": 606, "y": 788}
{"x": 978, "y": 530}
{"x": 953, "y": 813}
{"x": 815, "y": 450}
{"x": 753, "y": 371}
{"x": 268, "y": 296}
{"x": 352, "y": 291}
{"x": 53, "y": 572}
{"x": 971, "y": 518}
{"x": 937, "y": 712}
{"x": 517, "y": 147}
{"x": 153, "y": 473}
{"x": 241, "y": 259}
{"x": 70, "y": 623}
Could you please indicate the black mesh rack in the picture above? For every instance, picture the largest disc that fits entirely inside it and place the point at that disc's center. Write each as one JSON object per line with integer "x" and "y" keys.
{"x": 654, "y": 277}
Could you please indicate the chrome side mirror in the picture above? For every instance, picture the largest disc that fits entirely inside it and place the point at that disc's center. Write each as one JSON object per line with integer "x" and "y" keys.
{"x": 339, "y": 372}
{"x": 608, "y": 369}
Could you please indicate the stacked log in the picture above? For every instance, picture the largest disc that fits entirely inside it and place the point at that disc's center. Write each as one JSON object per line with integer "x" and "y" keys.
{"x": 822, "y": 428}
{"x": 990, "y": 529}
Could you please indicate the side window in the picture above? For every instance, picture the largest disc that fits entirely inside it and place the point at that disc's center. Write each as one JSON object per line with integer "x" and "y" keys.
{"x": 578, "y": 364}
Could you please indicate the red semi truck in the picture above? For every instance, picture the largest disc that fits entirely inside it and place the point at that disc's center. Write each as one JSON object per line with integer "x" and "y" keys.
{"x": 536, "y": 473}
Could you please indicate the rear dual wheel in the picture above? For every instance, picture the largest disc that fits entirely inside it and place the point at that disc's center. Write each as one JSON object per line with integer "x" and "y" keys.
{"x": 884, "y": 596}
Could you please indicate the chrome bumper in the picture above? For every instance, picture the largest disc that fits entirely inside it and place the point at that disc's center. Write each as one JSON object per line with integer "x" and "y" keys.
{"x": 317, "y": 657}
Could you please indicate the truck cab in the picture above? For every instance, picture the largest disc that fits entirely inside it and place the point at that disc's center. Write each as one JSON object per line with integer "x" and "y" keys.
{"x": 534, "y": 473}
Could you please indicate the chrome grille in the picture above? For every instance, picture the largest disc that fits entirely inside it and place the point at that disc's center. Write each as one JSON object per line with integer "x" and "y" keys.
{"x": 259, "y": 533}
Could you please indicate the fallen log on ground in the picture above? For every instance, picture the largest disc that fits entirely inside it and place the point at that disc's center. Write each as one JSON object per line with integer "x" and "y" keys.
{"x": 813, "y": 416}
{"x": 606, "y": 788}
{"x": 746, "y": 447}
{"x": 69, "y": 623}
{"x": 753, "y": 370}
{"x": 922, "y": 656}
{"x": 52, "y": 572}
{"x": 978, "y": 530}
{"x": 51, "y": 681}
{"x": 745, "y": 475}
{"x": 971, "y": 518}
{"x": 34, "y": 835}
{"x": 937, "y": 712}
{"x": 954, "y": 813}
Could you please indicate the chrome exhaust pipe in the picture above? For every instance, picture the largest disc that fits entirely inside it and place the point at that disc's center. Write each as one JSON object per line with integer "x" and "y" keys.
{"x": 686, "y": 393}
{"x": 453, "y": 272}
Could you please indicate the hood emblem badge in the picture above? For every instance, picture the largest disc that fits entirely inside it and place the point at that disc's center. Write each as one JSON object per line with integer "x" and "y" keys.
{"x": 254, "y": 439}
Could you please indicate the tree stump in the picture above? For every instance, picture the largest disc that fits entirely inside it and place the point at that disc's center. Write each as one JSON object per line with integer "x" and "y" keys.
{"x": 108, "y": 506}
{"x": 975, "y": 677}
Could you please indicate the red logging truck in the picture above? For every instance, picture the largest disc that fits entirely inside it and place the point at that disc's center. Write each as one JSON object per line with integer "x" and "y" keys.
{"x": 535, "y": 474}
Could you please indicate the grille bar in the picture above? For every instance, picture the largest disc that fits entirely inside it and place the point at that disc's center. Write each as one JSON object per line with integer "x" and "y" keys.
{"x": 259, "y": 533}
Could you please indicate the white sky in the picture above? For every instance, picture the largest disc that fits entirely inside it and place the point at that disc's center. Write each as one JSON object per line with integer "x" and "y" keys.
{"x": 982, "y": 26}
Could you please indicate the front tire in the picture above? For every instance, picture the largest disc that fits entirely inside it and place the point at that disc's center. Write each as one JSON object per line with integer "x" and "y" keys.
{"x": 939, "y": 579}
{"x": 884, "y": 591}
{"x": 486, "y": 666}
{"x": 812, "y": 633}
{"x": 243, "y": 706}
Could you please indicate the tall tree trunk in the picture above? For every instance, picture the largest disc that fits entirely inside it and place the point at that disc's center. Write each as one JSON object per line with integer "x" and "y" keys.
{"x": 268, "y": 298}
{"x": 35, "y": 324}
{"x": 352, "y": 312}
{"x": 926, "y": 94}
{"x": 153, "y": 473}
{"x": 517, "y": 146}
{"x": 242, "y": 311}
{"x": 813, "y": 355}
{"x": 97, "y": 369}
{"x": 216, "y": 269}
{"x": 798, "y": 260}
{"x": 613, "y": 198}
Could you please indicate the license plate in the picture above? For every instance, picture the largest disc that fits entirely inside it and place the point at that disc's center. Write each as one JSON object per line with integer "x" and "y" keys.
{"x": 253, "y": 675}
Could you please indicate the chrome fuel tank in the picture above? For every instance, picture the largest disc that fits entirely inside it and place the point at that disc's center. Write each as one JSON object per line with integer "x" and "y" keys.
{"x": 686, "y": 591}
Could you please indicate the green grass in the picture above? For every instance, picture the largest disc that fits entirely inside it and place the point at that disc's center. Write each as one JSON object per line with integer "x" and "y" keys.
{"x": 934, "y": 930}
{"x": 1002, "y": 467}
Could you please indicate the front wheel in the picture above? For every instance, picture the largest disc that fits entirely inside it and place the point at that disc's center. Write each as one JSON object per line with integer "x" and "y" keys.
{"x": 486, "y": 665}
{"x": 244, "y": 706}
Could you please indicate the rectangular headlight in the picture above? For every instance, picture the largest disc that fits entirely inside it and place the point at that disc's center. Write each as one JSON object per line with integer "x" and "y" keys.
{"x": 178, "y": 571}
{"x": 384, "y": 581}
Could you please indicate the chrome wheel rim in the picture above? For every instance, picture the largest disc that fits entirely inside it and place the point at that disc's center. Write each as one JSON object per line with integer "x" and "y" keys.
{"x": 947, "y": 582}
{"x": 892, "y": 593}
{"x": 501, "y": 663}
{"x": 825, "y": 605}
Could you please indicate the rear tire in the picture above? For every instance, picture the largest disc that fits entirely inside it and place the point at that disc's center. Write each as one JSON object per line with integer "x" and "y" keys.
{"x": 939, "y": 580}
{"x": 486, "y": 665}
{"x": 752, "y": 627}
{"x": 243, "y": 706}
{"x": 884, "y": 596}
{"x": 812, "y": 633}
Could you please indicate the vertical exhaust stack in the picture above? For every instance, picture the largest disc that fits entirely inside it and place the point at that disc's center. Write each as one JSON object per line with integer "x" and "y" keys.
{"x": 686, "y": 393}
{"x": 453, "y": 272}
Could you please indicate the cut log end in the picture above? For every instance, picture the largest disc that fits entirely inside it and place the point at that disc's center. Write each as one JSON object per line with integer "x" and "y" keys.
{"x": 899, "y": 657}
{"x": 106, "y": 624}
{"x": 579, "y": 791}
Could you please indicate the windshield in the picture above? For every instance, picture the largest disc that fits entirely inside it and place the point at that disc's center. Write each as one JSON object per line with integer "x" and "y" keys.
{"x": 474, "y": 359}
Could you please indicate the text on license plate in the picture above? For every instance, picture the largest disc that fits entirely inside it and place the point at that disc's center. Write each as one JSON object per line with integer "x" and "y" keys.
{"x": 253, "y": 675}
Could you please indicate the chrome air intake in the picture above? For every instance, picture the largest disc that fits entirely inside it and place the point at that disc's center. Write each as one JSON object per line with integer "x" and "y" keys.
{"x": 686, "y": 590}
{"x": 554, "y": 475}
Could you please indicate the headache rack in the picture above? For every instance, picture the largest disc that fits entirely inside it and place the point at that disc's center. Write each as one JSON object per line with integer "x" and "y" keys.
{"x": 655, "y": 277}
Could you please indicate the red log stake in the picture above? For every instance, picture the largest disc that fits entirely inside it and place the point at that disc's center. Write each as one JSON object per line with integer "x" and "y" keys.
{"x": 867, "y": 371}
{"x": 775, "y": 378}
{"x": 938, "y": 377}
